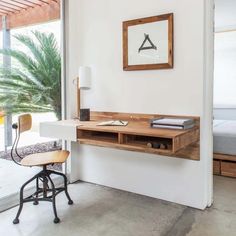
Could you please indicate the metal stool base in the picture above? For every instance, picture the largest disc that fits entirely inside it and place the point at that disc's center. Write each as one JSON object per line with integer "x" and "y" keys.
{"x": 43, "y": 193}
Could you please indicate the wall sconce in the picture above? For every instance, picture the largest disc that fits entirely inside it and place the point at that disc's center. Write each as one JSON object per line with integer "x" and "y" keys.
{"x": 83, "y": 83}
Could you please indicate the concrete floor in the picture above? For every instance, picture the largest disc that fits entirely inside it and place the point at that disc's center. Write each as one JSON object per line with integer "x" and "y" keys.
{"x": 108, "y": 212}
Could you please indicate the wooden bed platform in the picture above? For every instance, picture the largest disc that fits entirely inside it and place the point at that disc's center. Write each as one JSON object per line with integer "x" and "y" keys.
{"x": 224, "y": 165}
{"x": 224, "y": 147}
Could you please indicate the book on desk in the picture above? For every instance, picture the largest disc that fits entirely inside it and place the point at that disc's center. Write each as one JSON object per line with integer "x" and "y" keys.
{"x": 172, "y": 123}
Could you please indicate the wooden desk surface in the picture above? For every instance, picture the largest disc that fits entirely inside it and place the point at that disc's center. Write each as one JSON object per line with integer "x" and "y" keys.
{"x": 134, "y": 127}
{"x": 138, "y": 135}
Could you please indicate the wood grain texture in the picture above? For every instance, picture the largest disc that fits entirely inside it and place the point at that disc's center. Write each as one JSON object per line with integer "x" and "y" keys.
{"x": 224, "y": 157}
{"x": 146, "y": 20}
{"x": 138, "y": 134}
{"x": 24, "y": 122}
{"x": 135, "y": 128}
{"x": 228, "y": 169}
{"x": 122, "y": 138}
{"x": 191, "y": 152}
{"x": 101, "y": 115}
{"x": 47, "y": 158}
{"x": 186, "y": 139}
{"x": 216, "y": 167}
{"x": 78, "y": 102}
{"x": 224, "y": 164}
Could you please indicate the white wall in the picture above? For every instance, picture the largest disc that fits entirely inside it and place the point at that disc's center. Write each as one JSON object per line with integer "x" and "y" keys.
{"x": 224, "y": 70}
{"x": 95, "y": 39}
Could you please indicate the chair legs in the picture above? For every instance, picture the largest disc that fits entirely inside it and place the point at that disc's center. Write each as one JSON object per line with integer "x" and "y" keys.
{"x": 70, "y": 202}
{"x": 56, "y": 219}
{"x": 16, "y": 220}
{"x": 36, "y": 202}
{"x": 41, "y": 193}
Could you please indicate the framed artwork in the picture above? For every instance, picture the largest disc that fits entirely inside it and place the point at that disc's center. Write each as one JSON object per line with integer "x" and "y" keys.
{"x": 148, "y": 43}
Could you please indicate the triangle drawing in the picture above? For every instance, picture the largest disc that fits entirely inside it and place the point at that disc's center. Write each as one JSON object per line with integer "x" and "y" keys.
{"x": 151, "y": 44}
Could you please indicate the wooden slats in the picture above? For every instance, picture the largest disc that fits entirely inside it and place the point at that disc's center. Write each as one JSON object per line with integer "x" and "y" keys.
{"x": 17, "y": 6}
{"x": 8, "y": 7}
{"x": 21, "y": 13}
{"x": 19, "y": 2}
{"x": 3, "y": 12}
{"x": 8, "y": 10}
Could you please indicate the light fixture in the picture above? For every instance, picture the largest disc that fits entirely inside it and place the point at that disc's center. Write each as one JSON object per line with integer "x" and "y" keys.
{"x": 83, "y": 83}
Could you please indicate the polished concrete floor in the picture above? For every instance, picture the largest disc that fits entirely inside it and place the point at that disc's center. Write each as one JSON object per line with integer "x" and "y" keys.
{"x": 100, "y": 211}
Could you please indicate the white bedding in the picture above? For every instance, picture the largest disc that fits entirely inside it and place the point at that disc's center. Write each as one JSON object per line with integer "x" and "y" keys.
{"x": 224, "y": 133}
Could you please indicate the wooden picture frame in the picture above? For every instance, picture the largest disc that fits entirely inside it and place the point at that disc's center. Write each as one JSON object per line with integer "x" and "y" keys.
{"x": 155, "y": 37}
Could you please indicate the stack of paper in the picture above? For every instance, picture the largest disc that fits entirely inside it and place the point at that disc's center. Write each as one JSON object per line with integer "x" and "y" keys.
{"x": 173, "y": 123}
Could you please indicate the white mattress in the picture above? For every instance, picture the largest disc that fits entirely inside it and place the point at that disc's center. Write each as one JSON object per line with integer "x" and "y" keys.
{"x": 224, "y": 132}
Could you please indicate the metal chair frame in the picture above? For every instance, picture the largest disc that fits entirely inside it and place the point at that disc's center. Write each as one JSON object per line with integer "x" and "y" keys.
{"x": 44, "y": 192}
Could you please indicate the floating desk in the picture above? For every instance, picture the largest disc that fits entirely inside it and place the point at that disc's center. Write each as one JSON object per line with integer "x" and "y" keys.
{"x": 133, "y": 137}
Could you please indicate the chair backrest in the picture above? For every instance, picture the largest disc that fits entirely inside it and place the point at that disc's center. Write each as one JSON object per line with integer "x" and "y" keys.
{"x": 24, "y": 123}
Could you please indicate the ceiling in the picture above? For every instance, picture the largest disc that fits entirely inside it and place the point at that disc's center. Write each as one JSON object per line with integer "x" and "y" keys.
{"x": 9, "y": 7}
{"x": 225, "y": 14}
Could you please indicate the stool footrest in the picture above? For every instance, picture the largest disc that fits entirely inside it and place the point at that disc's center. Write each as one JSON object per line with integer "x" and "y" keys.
{"x": 45, "y": 191}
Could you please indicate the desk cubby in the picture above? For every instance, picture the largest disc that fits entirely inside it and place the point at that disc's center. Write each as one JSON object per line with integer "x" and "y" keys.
{"x": 98, "y": 136}
{"x": 144, "y": 141}
{"x": 139, "y": 136}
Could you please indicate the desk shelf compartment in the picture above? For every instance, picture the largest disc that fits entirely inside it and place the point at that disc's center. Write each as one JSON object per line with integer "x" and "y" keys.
{"x": 148, "y": 142}
{"x": 107, "y": 137}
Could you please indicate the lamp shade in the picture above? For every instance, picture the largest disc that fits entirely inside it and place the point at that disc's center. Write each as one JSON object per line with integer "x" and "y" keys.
{"x": 84, "y": 77}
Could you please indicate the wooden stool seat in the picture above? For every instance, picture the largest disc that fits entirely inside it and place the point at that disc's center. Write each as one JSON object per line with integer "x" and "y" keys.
{"x": 46, "y": 158}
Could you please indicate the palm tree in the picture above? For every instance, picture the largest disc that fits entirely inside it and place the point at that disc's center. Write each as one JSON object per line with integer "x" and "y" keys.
{"x": 34, "y": 85}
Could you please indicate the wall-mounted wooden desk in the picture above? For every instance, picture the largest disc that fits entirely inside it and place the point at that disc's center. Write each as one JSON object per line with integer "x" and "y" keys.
{"x": 134, "y": 137}
{"x": 137, "y": 135}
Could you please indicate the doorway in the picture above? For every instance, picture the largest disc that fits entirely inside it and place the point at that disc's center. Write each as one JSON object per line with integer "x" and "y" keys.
{"x": 224, "y": 102}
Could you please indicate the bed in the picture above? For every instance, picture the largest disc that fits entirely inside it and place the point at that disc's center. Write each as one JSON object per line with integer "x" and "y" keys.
{"x": 224, "y": 147}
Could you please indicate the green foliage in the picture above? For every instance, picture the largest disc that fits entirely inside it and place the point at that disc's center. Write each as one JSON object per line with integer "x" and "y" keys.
{"x": 35, "y": 84}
